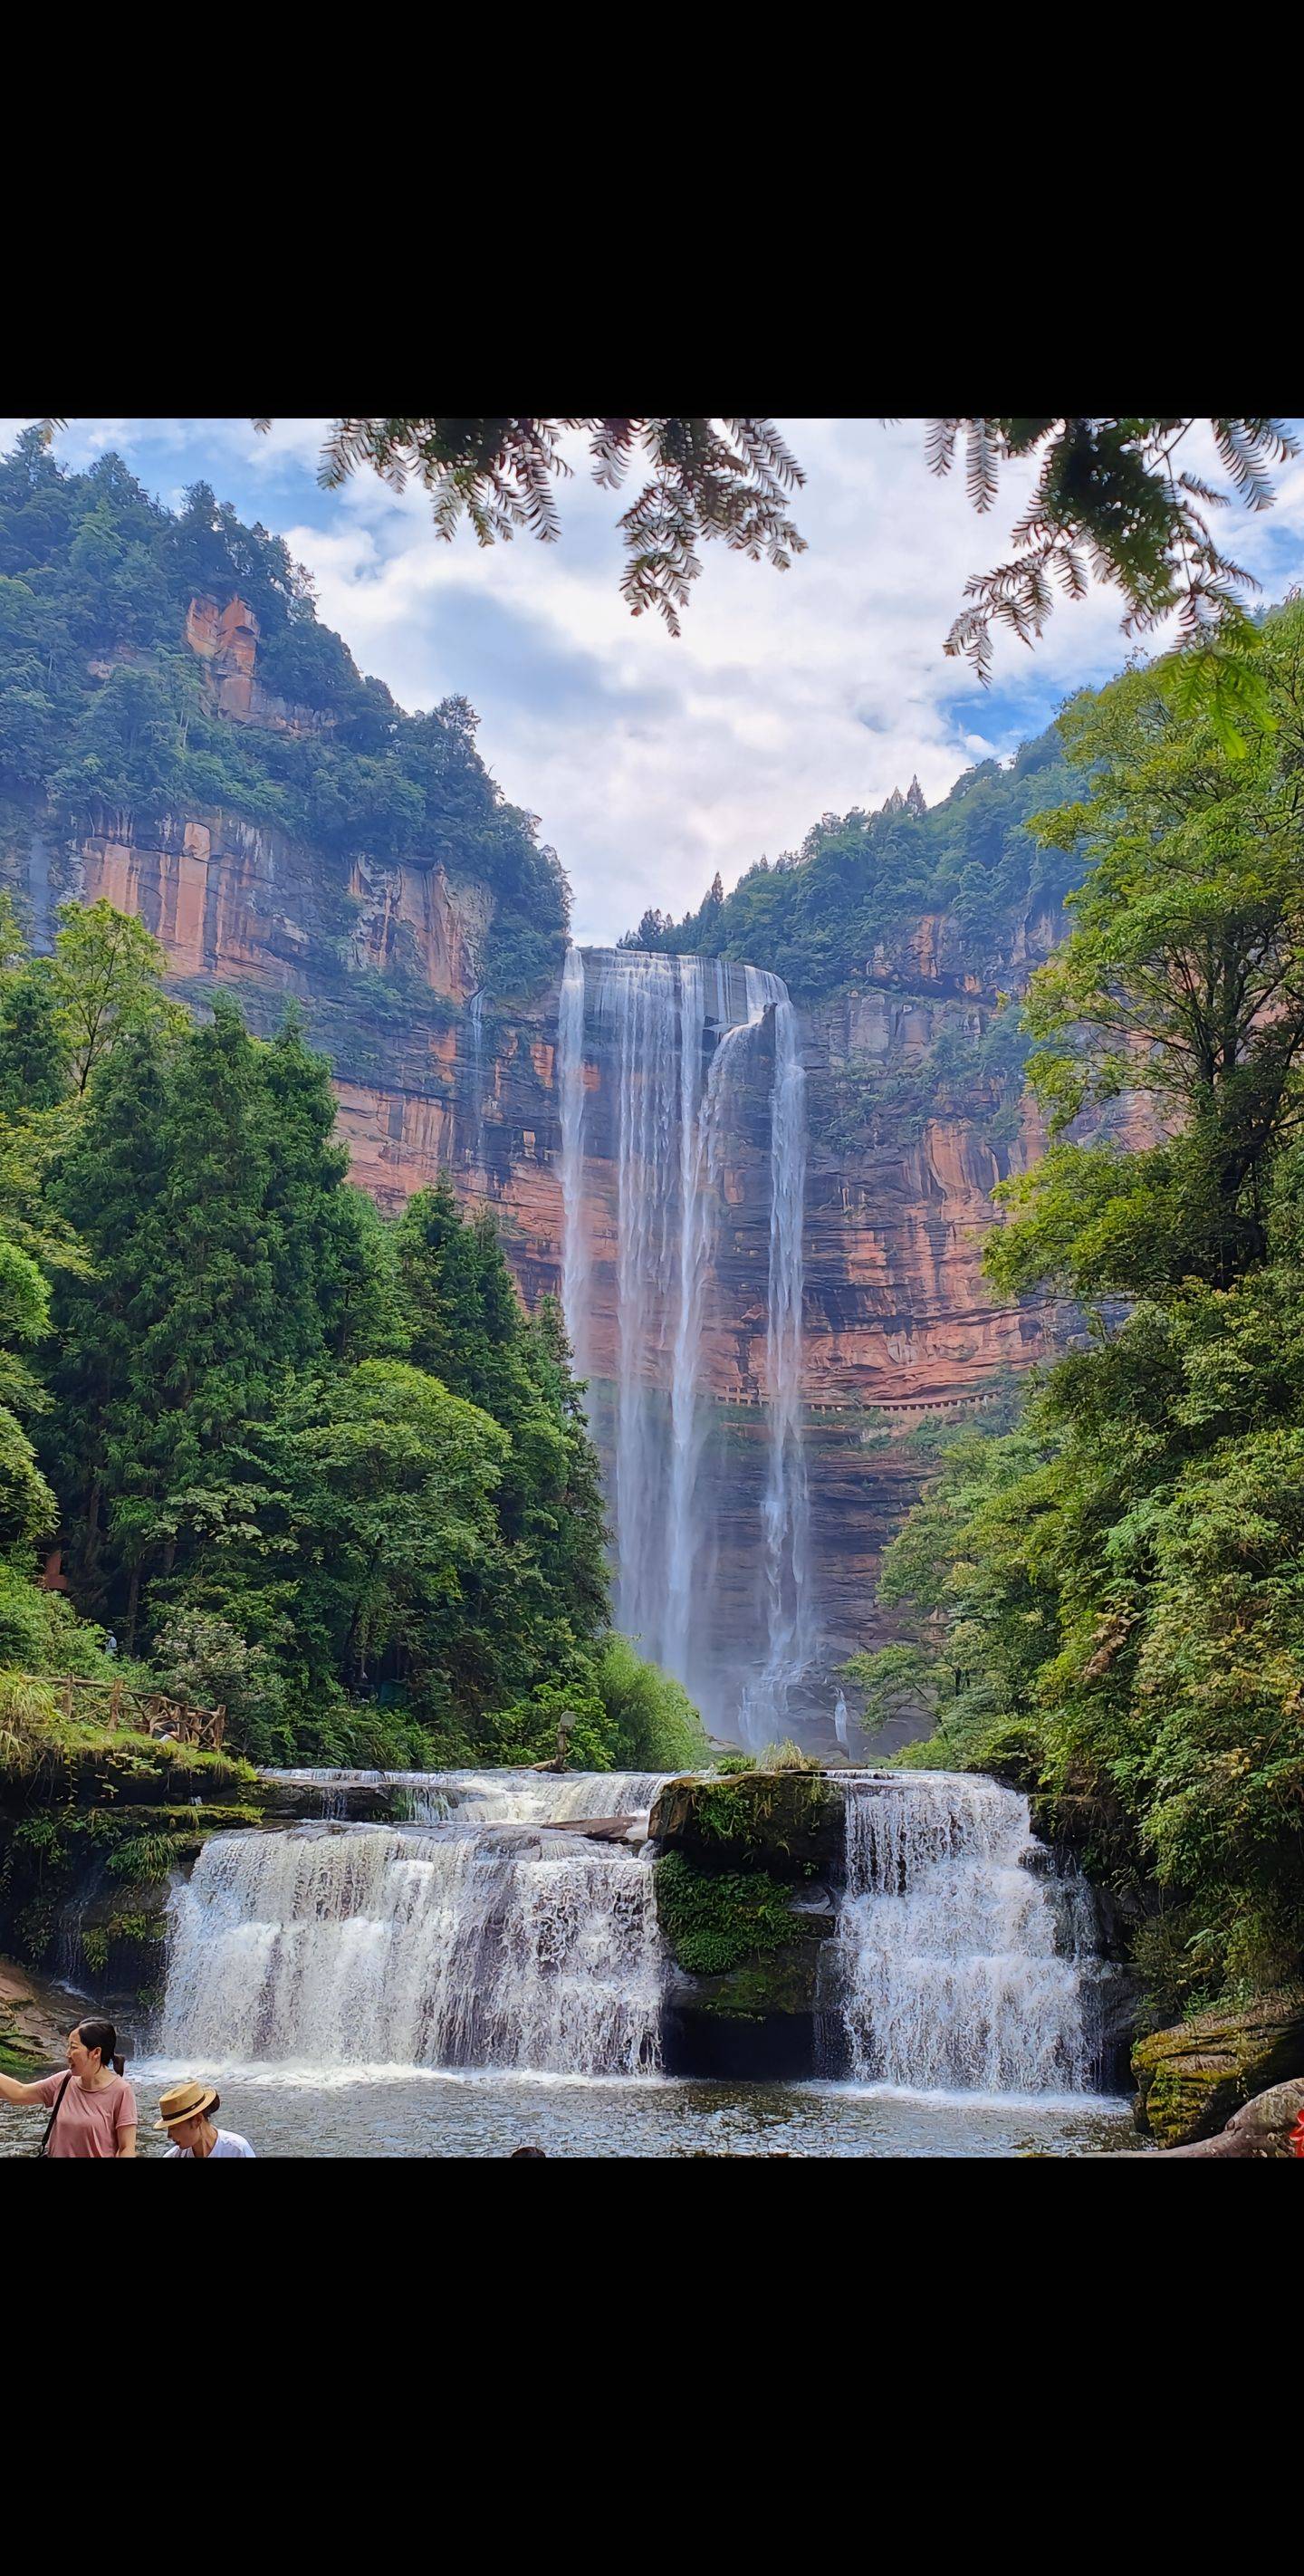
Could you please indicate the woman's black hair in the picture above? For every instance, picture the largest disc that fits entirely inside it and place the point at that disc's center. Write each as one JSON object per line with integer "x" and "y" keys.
{"x": 102, "y": 2035}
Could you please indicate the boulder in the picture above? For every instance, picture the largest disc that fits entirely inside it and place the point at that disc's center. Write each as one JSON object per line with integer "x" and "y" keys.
{"x": 759, "y": 2021}
{"x": 1261, "y": 2128}
{"x": 1192, "y": 2078}
{"x": 787, "y": 1822}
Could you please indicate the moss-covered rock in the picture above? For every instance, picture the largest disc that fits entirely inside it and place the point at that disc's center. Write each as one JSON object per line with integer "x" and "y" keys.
{"x": 1263, "y": 2128}
{"x": 1192, "y": 2078}
{"x": 86, "y": 1880}
{"x": 743, "y": 1992}
{"x": 714, "y": 1919}
{"x": 787, "y": 1822}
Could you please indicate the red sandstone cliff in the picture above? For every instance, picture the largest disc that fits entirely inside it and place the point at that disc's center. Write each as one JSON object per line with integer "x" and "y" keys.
{"x": 384, "y": 961}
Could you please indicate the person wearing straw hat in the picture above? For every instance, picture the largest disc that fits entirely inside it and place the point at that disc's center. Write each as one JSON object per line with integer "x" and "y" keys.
{"x": 185, "y": 2112}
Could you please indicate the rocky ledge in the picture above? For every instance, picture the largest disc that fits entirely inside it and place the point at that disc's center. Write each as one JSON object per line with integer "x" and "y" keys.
{"x": 1191, "y": 2079}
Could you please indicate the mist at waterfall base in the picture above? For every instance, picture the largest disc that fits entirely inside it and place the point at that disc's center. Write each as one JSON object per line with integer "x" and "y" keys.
{"x": 689, "y": 1039}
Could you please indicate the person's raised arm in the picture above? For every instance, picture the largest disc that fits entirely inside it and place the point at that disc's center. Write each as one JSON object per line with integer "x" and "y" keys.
{"x": 12, "y": 2091}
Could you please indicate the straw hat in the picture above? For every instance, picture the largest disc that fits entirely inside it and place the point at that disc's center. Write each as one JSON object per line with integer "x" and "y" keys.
{"x": 185, "y": 2102}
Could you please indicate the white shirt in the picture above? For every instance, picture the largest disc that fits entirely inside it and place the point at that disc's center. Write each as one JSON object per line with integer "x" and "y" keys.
{"x": 226, "y": 2143}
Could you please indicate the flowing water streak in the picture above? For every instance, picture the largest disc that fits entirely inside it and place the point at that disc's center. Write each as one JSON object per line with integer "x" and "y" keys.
{"x": 703, "y": 1146}
{"x": 478, "y": 1943}
{"x": 959, "y": 1967}
{"x": 475, "y": 1014}
{"x": 785, "y": 1511}
{"x": 570, "y": 1055}
{"x": 644, "y": 1003}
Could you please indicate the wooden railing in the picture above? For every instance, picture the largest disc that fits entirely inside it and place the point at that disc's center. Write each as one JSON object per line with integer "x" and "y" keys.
{"x": 148, "y": 1712}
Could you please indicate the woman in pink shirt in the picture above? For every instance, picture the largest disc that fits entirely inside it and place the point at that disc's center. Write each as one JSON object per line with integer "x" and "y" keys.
{"x": 96, "y": 2110}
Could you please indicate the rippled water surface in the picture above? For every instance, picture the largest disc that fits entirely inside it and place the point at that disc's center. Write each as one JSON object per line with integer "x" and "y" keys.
{"x": 393, "y": 2112}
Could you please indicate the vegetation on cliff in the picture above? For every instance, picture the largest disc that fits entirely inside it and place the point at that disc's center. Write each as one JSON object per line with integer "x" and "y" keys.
{"x": 107, "y": 724}
{"x": 1107, "y": 1600}
{"x": 714, "y": 1919}
{"x": 315, "y": 1465}
{"x": 844, "y": 909}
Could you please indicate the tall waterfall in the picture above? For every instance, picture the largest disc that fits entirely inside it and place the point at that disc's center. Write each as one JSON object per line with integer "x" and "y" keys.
{"x": 959, "y": 1967}
{"x": 475, "y": 1012}
{"x": 570, "y": 1054}
{"x": 680, "y": 1031}
{"x": 489, "y": 1940}
{"x": 786, "y": 1511}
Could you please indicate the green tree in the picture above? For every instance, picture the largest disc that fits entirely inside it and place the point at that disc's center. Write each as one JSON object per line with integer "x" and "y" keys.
{"x": 1110, "y": 498}
{"x": 107, "y": 978}
{"x": 390, "y": 1483}
{"x": 1183, "y": 980}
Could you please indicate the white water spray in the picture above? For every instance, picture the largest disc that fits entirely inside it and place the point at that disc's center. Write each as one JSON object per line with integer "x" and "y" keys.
{"x": 487, "y": 1941}
{"x": 960, "y": 1968}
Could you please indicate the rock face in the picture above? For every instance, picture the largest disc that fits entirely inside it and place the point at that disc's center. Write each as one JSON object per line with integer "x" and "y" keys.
{"x": 385, "y": 959}
{"x": 1192, "y": 2078}
{"x": 739, "y": 1862}
{"x": 1265, "y": 2127}
{"x": 789, "y": 1821}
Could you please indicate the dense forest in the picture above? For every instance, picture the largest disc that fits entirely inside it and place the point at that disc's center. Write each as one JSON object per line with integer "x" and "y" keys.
{"x": 106, "y": 722}
{"x": 1105, "y": 1604}
{"x": 314, "y": 1465}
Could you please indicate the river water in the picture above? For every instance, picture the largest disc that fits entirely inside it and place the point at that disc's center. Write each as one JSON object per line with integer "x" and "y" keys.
{"x": 391, "y": 2111}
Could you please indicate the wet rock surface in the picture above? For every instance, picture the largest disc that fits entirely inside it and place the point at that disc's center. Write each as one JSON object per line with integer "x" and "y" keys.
{"x": 1191, "y": 2079}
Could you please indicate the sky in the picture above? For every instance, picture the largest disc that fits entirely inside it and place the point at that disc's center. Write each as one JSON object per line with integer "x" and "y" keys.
{"x": 652, "y": 761}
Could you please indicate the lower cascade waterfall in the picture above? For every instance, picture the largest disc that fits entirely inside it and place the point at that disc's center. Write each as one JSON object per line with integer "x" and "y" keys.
{"x": 959, "y": 1967}
{"x": 484, "y": 1940}
{"x": 488, "y": 1930}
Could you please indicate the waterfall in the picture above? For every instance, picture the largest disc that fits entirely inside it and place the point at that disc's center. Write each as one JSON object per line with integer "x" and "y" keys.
{"x": 570, "y": 1069}
{"x": 674, "y": 1098}
{"x": 785, "y": 1513}
{"x": 475, "y": 1010}
{"x": 840, "y": 1716}
{"x": 486, "y": 1941}
{"x": 960, "y": 1968}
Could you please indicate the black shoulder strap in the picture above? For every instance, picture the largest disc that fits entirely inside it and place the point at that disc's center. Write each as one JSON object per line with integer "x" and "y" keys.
{"x": 58, "y": 2104}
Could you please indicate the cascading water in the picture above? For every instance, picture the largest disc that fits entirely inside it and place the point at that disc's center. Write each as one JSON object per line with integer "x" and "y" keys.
{"x": 475, "y": 1013}
{"x": 490, "y": 1940}
{"x": 786, "y": 1510}
{"x": 570, "y": 1053}
{"x": 675, "y": 1100}
{"x": 960, "y": 1968}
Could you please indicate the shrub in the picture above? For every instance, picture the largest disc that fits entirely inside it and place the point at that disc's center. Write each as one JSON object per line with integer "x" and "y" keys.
{"x": 657, "y": 1727}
